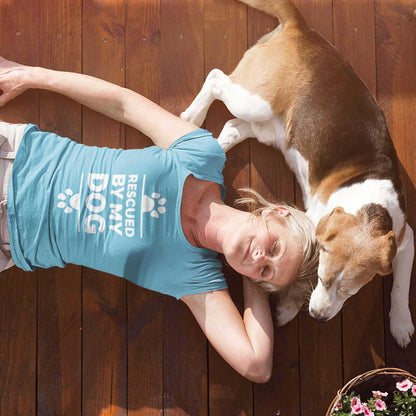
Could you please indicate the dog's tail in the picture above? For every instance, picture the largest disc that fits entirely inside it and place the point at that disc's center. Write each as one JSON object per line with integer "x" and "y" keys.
{"x": 284, "y": 10}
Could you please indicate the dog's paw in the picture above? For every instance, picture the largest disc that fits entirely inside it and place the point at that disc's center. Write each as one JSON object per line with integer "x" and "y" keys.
{"x": 286, "y": 311}
{"x": 193, "y": 118}
{"x": 401, "y": 327}
{"x": 186, "y": 115}
{"x": 232, "y": 133}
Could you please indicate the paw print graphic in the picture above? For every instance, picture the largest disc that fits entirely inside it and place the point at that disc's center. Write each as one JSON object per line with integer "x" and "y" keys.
{"x": 73, "y": 201}
{"x": 154, "y": 205}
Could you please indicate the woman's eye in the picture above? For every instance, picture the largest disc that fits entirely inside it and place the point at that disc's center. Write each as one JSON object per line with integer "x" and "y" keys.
{"x": 265, "y": 271}
{"x": 274, "y": 249}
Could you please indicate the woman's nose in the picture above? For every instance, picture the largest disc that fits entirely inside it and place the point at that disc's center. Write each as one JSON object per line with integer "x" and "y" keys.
{"x": 258, "y": 255}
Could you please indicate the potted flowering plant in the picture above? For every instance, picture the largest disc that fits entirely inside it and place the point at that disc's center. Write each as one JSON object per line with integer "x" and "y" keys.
{"x": 383, "y": 392}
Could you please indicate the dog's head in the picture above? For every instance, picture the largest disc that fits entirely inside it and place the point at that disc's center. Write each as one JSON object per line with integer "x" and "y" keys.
{"x": 353, "y": 249}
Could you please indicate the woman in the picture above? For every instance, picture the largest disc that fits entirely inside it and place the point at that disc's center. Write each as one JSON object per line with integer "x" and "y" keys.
{"x": 155, "y": 216}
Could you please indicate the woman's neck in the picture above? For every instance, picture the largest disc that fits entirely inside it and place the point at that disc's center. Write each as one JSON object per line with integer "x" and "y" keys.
{"x": 206, "y": 220}
{"x": 214, "y": 221}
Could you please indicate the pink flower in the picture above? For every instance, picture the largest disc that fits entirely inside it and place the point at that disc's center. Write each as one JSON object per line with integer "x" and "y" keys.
{"x": 380, "y": 405}
{"x": 367, "y": 411}
{"x": 356, "y": 406}
{"x": 378, "y": 394}
{"x": 357, "y": 409}
{"x": 404, "y": 385}
{"x": 414, "y": 389}
{"x": 338, "y": 407}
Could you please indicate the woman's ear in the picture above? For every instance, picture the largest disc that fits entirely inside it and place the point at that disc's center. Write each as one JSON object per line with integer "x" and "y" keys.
{"x": 282, "y": 211}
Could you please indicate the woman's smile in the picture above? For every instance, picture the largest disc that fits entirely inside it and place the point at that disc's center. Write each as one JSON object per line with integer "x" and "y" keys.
{"x": 247, "y": 254}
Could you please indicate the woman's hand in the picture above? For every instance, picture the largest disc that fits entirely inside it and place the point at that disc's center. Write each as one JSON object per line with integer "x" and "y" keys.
{"x": 14, "y": 79}
{"x": 109, "y": 99}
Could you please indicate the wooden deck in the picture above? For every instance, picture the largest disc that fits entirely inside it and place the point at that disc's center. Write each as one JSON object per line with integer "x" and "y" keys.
{"x": 75, "y": 341}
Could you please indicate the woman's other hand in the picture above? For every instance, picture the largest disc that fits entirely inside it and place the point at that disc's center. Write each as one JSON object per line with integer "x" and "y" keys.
{"x": 14, "y": 79}
{"x": 245, "y": 343}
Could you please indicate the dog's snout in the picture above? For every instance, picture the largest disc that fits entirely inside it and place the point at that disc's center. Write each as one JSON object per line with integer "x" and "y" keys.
{"x": 318, "y": 315}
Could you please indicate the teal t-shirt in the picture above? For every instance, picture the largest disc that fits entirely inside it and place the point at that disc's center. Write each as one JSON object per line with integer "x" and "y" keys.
{"x": 112, "y": 210}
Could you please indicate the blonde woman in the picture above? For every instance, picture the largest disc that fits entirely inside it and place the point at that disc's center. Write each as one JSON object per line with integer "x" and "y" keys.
{"x": 155, "y": 216}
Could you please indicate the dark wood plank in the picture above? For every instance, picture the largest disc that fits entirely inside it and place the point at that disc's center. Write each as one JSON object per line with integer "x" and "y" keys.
{"x": 59, "y": 291}
{"x": 184, "y": 345}
{"x": 104, "y": 385}
{"x": 320, "y": 344}
{"x": 396, "y": 87}
{"x": 19, "y": 34}
{"x": 18, "y": 343}
{"x": 355, "y": 39}
{"x": 145, "y": 354}
{"x": 225, "y": 42}
{"x": 271, "y": 177}
{"x": 318, "y": 15}
{"x": 144, "y": 308}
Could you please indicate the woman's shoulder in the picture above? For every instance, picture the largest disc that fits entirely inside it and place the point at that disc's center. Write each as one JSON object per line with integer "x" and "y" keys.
{"x": 200, "y": 141}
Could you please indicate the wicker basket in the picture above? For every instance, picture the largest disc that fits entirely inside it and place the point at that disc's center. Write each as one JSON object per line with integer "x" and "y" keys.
{"x": 383, "y": 379}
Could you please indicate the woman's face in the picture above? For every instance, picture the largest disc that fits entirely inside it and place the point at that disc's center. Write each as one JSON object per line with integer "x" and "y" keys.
{"x": 265, "y": 249}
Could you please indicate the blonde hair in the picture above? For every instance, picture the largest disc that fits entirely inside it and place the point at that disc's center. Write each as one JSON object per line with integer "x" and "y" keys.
{"x": 303, "y": 229}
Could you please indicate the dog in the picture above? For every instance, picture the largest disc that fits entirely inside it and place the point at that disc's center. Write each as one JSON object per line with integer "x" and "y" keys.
{"x": 295, "y": 91}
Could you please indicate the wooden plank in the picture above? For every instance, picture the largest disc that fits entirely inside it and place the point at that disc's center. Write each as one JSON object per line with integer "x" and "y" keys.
{"x": 271, "y": 177}
{"x": 18, "y": 343}
{"x": 59, "y": 291}
{"x": 320, "y": 344}
{"x": 104, "y": 386}
{"x": 145, "y": 355}
{"x": 318, "y": 15}
{"x": 144, "y": 308}
{"x": 396, "y": 87}
{"x": 225, "y": 42}
{"x": 355, "y": 39}
{"x": 184, "y": 345}
{"x": 19, "y": 32}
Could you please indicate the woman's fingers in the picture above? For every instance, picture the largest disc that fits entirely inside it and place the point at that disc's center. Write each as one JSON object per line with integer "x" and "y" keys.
{"x": 5, "y": 97}
{"x": 12, "y": 80}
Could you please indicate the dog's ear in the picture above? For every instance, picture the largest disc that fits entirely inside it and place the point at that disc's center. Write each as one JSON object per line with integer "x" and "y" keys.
{"x": 323, "y": 233}
{"x": 378, "y": 217}
{"x": 387, "y": 251}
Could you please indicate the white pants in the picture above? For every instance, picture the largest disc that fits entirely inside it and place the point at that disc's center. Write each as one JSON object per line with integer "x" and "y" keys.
{"x": 10, "y": 138}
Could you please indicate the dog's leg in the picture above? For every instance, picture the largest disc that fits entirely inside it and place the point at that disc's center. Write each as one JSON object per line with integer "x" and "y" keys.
{"x": 288, "y": 306}
{"x": 234, "y": 132}
{"x": 240, "y": 102}
{"x": 210, "y": 91}
{"x": 401, "y": 326}
{"x": 286, "y": 311}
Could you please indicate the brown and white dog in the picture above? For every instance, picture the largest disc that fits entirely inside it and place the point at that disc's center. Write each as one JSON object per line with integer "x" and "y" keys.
{"x": 295, "y": 91}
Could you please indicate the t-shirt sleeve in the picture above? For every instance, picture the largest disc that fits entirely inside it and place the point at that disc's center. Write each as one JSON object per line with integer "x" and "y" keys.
{"x": 200, "y": 154}
{"x": 208, "y": 279}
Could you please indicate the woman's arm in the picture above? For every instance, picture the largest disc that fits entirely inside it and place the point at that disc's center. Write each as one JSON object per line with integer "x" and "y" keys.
{"x": 245, "y": 343}
{"x": 109, "y": 99}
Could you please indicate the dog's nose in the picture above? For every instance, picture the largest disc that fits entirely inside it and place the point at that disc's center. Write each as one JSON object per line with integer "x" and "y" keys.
{"x": 321, "y": 319}
{"x": 318, "y": 316}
